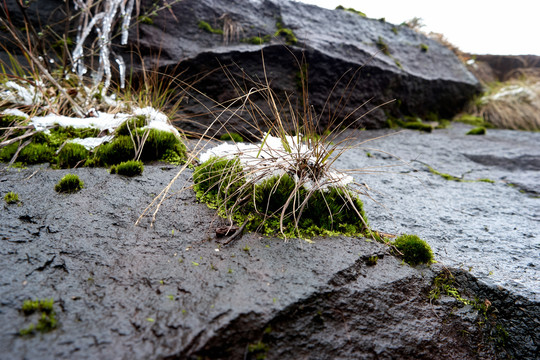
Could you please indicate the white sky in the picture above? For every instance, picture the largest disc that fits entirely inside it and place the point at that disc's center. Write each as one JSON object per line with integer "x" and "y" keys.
{"x": 475, "y": 26}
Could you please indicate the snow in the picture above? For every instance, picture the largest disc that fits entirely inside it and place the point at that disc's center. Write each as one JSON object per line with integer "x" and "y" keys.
{"x": 92, "y": 142}
{"x": 270, "y": 158}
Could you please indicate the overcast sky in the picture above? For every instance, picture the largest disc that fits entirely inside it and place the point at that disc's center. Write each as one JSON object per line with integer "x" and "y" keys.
{"x": 475, "y": 26}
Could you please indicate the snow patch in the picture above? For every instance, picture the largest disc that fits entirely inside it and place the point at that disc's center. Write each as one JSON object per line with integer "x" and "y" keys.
{"x": 271, "y": 158}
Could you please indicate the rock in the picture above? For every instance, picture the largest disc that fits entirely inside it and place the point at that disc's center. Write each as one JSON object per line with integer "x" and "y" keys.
{"x": 367, "y": 60}
{"x": 422, "y": 75}
{"x": 504, "y": 67}
{"x": 165, "y": 292}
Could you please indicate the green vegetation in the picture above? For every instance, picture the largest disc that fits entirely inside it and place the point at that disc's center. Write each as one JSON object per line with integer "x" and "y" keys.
{"x": 11, "y": 198}
{"x": 257, "y": 40}
{"x": 414, "y": 125}
{"x": 288, "y": 34}
{"x": 70, "y": 183}
{"x": 372, "y": 260}
{"x": 145, "y": 19}
{"x": 208, "y": 28}
{"x": 221, "y": 184}
{"x": 415, "y": 250}
{"x": 230, "y": 136}
{"x": 258, "y": 350}
{"x": 424, "y": 47}
{"x": 128, "y": 168}
{"x": 156, "y": 145}
{"x": 340, "y": 7}
{"x": 477, "y": 131}
{"x": 455, "y": 178}
{"x": 382, "y": 46}
{"x": 47, "y": 320}
{"x": 472, "y": 120}
{"x": 131, "y": 125}
{"x": 71, "y": 155}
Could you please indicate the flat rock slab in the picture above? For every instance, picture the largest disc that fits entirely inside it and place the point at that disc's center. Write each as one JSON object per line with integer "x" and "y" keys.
{"x": 489, "y": 229}
{"x": 171, "y": 292}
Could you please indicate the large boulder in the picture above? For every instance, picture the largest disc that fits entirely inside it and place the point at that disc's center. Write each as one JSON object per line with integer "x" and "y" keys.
{"x": 348, "y": 59}
{"x": 369, "y": 60}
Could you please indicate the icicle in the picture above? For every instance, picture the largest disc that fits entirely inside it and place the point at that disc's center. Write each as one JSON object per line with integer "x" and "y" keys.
{"x": 125, "y": 22}
{"x": 122, "y": 70}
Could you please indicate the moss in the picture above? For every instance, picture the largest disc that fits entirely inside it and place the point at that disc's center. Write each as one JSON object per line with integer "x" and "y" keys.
{"x": 414, "y": 125}
{"x": 208, "y": 28}
{"x": 217, "y": 181}
{"x": 47, "y": 320}
{"x": 424, "y": 48}
{"x": 351, "y": 10}
{"x": 36, "y": 154}
{"x": 395, "y": 30}
{"x": 130, "y": 125}
{"x": 59, "y": 135}
{"x": 221, "y": 184}
{"x": 9, "y": 121}
{"x": 372, "y": 260}
{"x": 42, "y": 305}
{"x": 128, "y": 168}
{"x": 11, "y": 198}
{"x": 382, "y": 46}
{"x": 477, "y": 131}
{"x": 472, "y": 120}
{"x": 231, "y": 137}
{"x": 116, "y": 151}
{"x": 258, "y": 350}
{"x": 161, "y": 144}
{"x": 71, "y": 155}
{"x": 257, "y": 40}
{"x": 288, "y": 34}
{"x": 70, "y": 183}
{"x": 415, "y": 250}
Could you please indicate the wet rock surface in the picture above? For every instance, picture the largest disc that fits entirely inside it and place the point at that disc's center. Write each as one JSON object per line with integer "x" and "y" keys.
{"x": 165, "y": 291}
{"x": 343, "y": 55}
{"x": 396, "y": 62}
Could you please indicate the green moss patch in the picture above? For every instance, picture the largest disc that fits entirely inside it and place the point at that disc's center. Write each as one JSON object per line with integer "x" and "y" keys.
{"x": 231, "y": 137}
{"x": 72, "y": 154}
{"x": 415, "y": 250}
{"x": 351, "y": 10}
{"x": 47, "y": 319}
{"x": 128, "y": 168}
{"x": 11, "y": 198}
{"x": 277, "y": 203}
{"x": 288, "y": 34}
{"x": 70, "y": 183}
{"x": 203, "y": 25}
{"x": 477, "y": 131}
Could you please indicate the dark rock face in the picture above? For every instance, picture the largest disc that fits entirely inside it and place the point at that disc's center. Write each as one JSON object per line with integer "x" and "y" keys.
{"x": 396, "y": 62}
{"x": 422, "y": 75}
{"x": 506, "y": 67}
